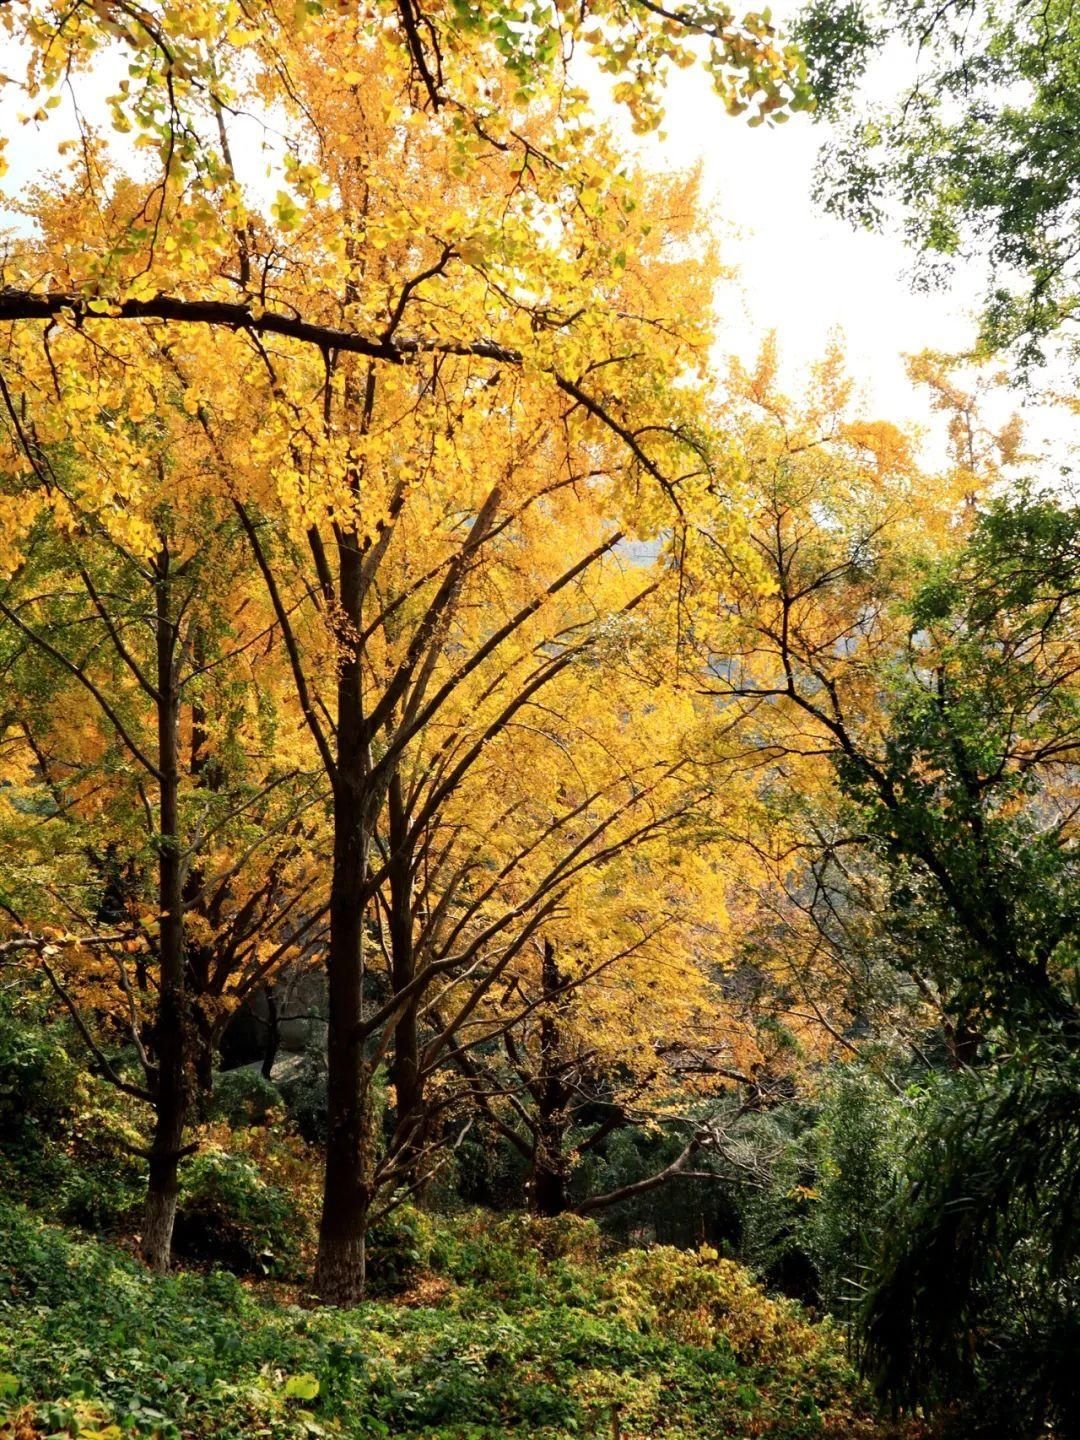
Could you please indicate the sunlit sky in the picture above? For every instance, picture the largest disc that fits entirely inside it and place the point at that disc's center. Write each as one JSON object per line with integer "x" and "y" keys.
{"x": 810, "y": 276}
{"x": 800, "y": 271}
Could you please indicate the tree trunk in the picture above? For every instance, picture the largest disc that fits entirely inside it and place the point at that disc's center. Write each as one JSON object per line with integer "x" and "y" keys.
{"x": 339, "y": 1270}
{"x": 273, "y": 1033}
{"x": 549, "y": 1187}
{"x": 172, "y": 1096}
{"x": 339, "y": 1273}
{"x": 203, "y": 1040}
{"x": 548, "y": 1191}
{"x": 405, "y": 1074}
{"x": 164, "y": 1181}
{"x": 199, "y": 958}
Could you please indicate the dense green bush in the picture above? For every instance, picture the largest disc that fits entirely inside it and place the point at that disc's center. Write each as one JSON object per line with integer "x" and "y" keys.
{"x": 485, "y": 1170}
{"x": 65, "y": 1136}
{"x": 973, "y": 1309}
{"x": 102, "y": 1184}
{"x": 304, "y": 1094}
{"x": 775, "y": 1203}
{"x": 244, "y": 1097}
{"x": 399, "y": 1248}
{"x": 39, "y": 1081}
{"x": 229, "y": 1213}
{"x": 861, "y": 1137}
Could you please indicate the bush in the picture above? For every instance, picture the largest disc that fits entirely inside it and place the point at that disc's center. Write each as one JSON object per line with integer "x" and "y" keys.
{"x": 399, "y": 1249}
{"x": 230, "y": 1214}
{"x": 104, "y": 1184}
{"x": 244, "y": 1097}
{"x": 701, "y": 1299}
{"x": 973, "y": 1309}
{"x": 485, "y": 1170}
{"x": 39, "y": 1081}
{"x": 304, "y": 1095}
{"x": 64, "y": 1133}
{"x": 862, "y": 1136}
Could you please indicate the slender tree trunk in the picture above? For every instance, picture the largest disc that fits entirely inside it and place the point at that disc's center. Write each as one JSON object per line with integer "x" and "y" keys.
{"x": 405, "y": 1072}
{"x": 172, "y": 1098}
{"x": 347, "y": 1190}
{"x": 273, "y": 1033}
{"x": 199, "y": 959}
{"x": 339, "y": 1273}
{"x": 203, "y": 1040}
{"x": 410, "y": 1100}
{"x": 549, "y": 1187}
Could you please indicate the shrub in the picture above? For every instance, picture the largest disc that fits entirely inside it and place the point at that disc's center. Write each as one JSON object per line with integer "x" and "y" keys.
{"x": 39, "y": 1081}
{"x": 399, "y": 1248}
{"x": 64, "y": 1133}
{"x": 304, "y": 1095}
{"x": 678, "y": 1345}
{"x": 230, "y": 1214}
{"x": 863, "y": 1133}
{"x": 244, "y": 1097}
{"x": 104, "y": 1184}
{"x": 700, "y": 1299}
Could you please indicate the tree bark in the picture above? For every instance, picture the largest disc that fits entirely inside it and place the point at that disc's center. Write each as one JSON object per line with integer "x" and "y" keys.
{"x": 172, "y": 1097}
{"x": 273, "y": 1033}
{"x": 199, "y": 958}
{"x": 347, "y": 1188}
{"x": 203, "y": 1042}
{"x": 405, "y": 1072}
{"x": 339, "y": 1271}
{"x": 549, "y": 1182}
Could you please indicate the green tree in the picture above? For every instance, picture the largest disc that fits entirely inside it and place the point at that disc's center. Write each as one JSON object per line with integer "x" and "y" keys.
{"x": 979, "y": 152}
{"x": 926, "y": 650}
{"x": 973, "y": 799}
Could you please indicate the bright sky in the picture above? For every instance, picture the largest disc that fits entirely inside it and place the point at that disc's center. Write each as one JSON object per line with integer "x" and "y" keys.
{"x": 802, "y": 272}
{"x": 810, "y": 276}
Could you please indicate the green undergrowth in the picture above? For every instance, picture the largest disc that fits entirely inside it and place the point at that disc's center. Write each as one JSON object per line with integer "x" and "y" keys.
{"x": 514, "y": 1329}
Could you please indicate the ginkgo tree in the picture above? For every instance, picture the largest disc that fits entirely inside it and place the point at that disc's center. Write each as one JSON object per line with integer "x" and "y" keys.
{"x": 184, "y": 59}
{"x": 368, "y": 360}
{"x": 794, "y": 632}
{"x": 567, "y": 829}
{"x": 146, "y": 719}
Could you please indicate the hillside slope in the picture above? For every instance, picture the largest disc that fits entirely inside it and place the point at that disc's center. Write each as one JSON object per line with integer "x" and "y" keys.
{"x": 514, "y": 1330}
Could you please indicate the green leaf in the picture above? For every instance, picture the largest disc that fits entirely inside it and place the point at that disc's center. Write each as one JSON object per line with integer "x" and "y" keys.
{"x": 302, "y": 1387}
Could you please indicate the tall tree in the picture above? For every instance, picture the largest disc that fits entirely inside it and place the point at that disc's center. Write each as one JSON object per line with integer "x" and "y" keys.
{"x": 975, "y": 798}
{"x": 348, "y": 350}
{"x": 129, "y": 623}
{"x": 551, "y": 894}
{"x": 919, "y": 640}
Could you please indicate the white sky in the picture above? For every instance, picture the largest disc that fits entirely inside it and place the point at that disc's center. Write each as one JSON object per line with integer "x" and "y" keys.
{"x": 810, "y": 276}
{"x": 801, "y": 272}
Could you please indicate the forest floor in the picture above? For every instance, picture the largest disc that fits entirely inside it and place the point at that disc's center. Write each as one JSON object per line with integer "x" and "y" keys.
{"x": 511, "y": 1328}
